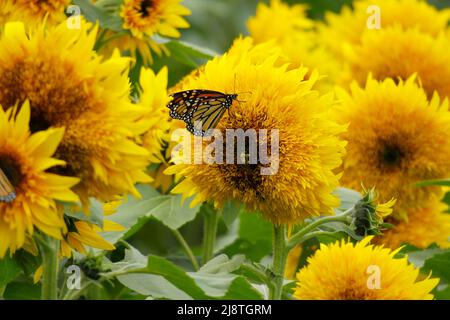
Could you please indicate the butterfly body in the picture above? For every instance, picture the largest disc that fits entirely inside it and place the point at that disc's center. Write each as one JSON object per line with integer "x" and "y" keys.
{"x": 7, "y": 192}
{"x": 201, "y": 110}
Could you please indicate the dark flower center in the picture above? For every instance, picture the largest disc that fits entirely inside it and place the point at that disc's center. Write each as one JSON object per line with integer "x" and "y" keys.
{"x": 391, "y": 155}
{"x": 145, "y": 6}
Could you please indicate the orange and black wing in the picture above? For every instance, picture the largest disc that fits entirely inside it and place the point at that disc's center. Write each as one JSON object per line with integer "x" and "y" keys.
{"x": 7, "y": 192}
{"x": 206, "y": 116}
{"x": 200, "y": 109}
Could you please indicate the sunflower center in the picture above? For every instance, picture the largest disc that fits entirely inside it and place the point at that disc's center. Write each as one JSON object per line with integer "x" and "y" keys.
{"x": 146, "y": 5}
{"x": 55, "y": 92}
{"x": 391, "y": 155}
{"x": 11, "y": 170}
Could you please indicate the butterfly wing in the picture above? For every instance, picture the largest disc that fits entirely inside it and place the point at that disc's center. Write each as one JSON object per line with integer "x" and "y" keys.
{"x": 7, "y": 193}
{"x": 200, "y": 109}
{"x": 205, "y": 117}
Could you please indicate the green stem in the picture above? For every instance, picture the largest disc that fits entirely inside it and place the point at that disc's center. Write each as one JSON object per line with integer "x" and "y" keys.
{"x": 300, "y": 235}
{"x": 49, "y": 248}
{"x": 279, "y": 260}
{"x": 209, "y": 234}
{"x": 186, "y": 249}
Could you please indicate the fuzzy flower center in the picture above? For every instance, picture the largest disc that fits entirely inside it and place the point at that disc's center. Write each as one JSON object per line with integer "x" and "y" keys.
{"x": 391, "y": 155}
{"x": 146, "y": 6}
{"x": 55, "y": 92}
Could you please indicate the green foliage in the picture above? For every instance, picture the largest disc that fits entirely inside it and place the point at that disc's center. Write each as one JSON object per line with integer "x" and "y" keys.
{"x": 9, "y": 270}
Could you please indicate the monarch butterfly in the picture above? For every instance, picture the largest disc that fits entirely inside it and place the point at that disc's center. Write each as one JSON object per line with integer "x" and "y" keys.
{"x": 200, "y": 109}
{"x": 7, "y": 193}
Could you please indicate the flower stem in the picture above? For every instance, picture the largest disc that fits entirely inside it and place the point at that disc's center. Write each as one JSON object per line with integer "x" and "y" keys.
{"x": 300, "y": 235}
{"x": 279, "y": 260}
{"x": 49, "y": 251}
{"x": 209, "y": 234}
{"x": 186, "y": 249}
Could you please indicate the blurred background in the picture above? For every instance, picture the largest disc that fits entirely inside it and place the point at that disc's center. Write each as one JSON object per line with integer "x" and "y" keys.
{"x": 215, "y": 23}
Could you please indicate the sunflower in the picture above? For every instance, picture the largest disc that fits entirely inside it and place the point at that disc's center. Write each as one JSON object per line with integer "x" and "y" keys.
{"x": 33, "y": 12}
{"x": 69, "y": 86}
{"x": 294, "y": 33}
{"x": 154, "y": 98}
{"x": 144, "y": 19}
{"x": 79, "y": 234}
{"x": 424, "y": 227}
{"x": 309, "y": 147}
{"x": 348, "y": 26}
{"x": 24, "y": 159}
{"x": 409, "y": 52}
{"x": 396, "y": 138}
{"x": 350, "y": 276}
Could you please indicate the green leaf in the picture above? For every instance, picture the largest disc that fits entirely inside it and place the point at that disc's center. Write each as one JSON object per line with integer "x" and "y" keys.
{"x": 187, "y": 53}
{"x": 439, "y": 182}
{"x": 442, "y": 292}
{"x": 132, "y": 214}
{"x": 222, "y": 264}
{"x": 22, "y": 291}
{"x": 9, "y": 270}
{"x": 439, "y": 265}
{"x": 96, "y": 14}
{"x": 348, "y": 198}
{"x": 254, "y": 237}
{"x": 175, "y": 275}
{"x": 230, "y": 212}
{"x": 152, "y": 285}
{"x": 95, "y": 212}
{"x": 418, "y": 258}
{"x": 171, "y": 212}
{"x": 170, "y": 281}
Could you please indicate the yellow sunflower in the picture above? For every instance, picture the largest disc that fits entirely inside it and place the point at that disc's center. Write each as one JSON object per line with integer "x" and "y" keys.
{"x": 70, "y": 86}
{"x": 33, "y": 12}
{"x": 24, "y": 159}
{"x": 144, "y": 19}
{"x": 360, "y": 272}
{"x": 423, "y": 227}
{"x": 408, "y": 52}
{"x": 396, "y": 138}
{"x": 154, "y": 98}
{"x": 295, "y": 34}
{"x": 270, "y": 97}
{"x": 79, "y": 234}
{"x": 348, "y": 26}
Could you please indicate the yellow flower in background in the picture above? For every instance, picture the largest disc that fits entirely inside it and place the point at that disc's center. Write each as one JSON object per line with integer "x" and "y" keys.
{"x": 144, "y": 19}
{"x": 295, "y": 34}
{"x": 154, "y": 98}
{"x": 270, "y": 97}
{"x": 150, "y": 17}
{"x": 348, "y": 278}
{"x": 69, "y": 85}
{"x": 82, "y": 233}
{"x": 24, "y": 159}
{"x": 348, "y": 26}
{"x": 78, "y": 234}
{"x": 292, "y": 260}
{"x": 396, "y": 138}
{"x": 423, "y": 227}
{"x": 408, "y": 52}
{"x": 33, "y": 12}
{"x": 282, "y": 19}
